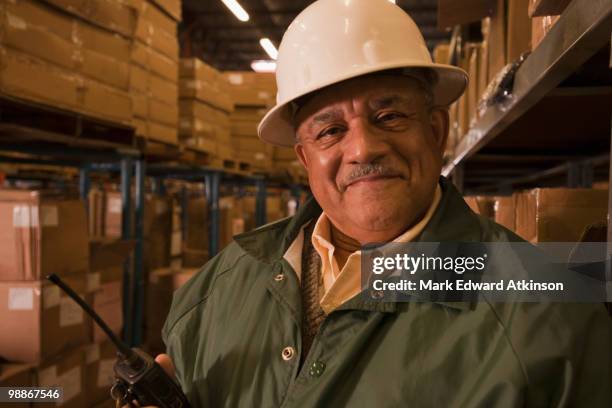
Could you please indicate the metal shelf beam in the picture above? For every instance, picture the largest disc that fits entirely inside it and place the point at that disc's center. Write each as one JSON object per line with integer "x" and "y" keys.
{"x": 582, "y": 30}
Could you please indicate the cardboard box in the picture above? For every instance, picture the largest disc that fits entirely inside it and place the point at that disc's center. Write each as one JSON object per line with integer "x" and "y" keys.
{"x": 16, "y": 375}
{"x": 41, "y": 234}
{"x": 496, "y": 40}
{"x": 558, "y": 214}
{"x": 251, "y": 88}
{"x": 66, "y": 370}
{"x": 519, "y": 32}
{"x": 26, "y": 77}
{"x": 157, "y": 232}
{"x": 38, "y": 320}
{"x": 108, "y": 253}
{"x": 162, "y": 133}
{"x": 504, "y": 210}
{"x": 161, "y": 285}
{"x": 164, "y": 113}
{"x": 196, "y": 230}
{"x": 547, "y": 7}
{"x": 194, "y": 258}
{"x": 540, "y": 26}
{"x": 100, "y": 360}
{"x": 113, "y": 214}
{"x": 171, "y": 7}
{"x": 106, "y": 102}
{"x": 108, "y": 303}
{"x": 112, "y": 15}
{"x": 40, "y": 31}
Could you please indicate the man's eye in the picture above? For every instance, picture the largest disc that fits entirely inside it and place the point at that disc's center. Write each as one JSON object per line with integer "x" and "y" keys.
{"x": 387, "y": 117}
{"x": 331, "y": 131}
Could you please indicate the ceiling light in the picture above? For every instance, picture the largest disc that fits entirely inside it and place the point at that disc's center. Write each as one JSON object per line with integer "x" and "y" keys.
{"x": 269, "y": 47}
{"x": 263, "y": 66}
{"x": 237, "y": 9}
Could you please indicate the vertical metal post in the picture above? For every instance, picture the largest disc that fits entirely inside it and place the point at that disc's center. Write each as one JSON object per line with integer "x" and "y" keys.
{"x": 184, "y": 212}
{"x": 158, "y": 186}
{"x": 139, "y": 275}
{"x": 84, "y": 185}
{"x": 126, "y": 234}
{"x": 212, "y": 180}
{"x": 260, "y": 202}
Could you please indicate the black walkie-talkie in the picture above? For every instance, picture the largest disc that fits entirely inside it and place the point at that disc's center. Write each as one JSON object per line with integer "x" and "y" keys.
{"x": 137, "y": 376}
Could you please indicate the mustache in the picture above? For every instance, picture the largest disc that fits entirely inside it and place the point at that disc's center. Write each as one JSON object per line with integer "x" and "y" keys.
{"x": 364, "y": 170}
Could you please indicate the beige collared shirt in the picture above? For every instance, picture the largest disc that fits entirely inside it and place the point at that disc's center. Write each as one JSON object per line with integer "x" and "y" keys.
{"x": 339, "y": 285}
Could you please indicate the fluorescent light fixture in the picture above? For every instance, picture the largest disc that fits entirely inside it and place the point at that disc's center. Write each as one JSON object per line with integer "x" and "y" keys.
{"x": 269, "y": 47}
{"x": 263, "y": 66}
{"x": 237, "y": 9}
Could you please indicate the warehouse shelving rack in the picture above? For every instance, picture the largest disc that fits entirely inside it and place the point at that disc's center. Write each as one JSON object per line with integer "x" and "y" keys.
{"x": 32, "y": 133}
{"x": 555, "y": 129}
{"x": 557, "y": 118}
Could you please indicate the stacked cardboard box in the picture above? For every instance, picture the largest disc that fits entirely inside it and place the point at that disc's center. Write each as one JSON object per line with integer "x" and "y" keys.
{"x": 233, "y": 216}
{"x": 176, "y": 240}
{"x": 99, "y": 360}
{"x": 68, "y": 54}
{"x": 195, "y": 251}
{"x": 558, "y": 214}
{"x": 16, "y": 375}
{"x": 544, "y": 15}
{"x": 107, "y": 263}
{"x": 246, "y": 143}
{"x": 154, "y": 72}
{"x": 253, "y": 93}
{"x": 546, "y": 214}
{"x": 43, "y": 233}
{"x": 161, "y": 285}
{"x": 205, "y": 107}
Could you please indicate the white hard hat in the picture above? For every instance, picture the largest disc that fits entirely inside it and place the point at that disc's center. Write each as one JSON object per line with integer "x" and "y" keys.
{"x": 335, "y": 40}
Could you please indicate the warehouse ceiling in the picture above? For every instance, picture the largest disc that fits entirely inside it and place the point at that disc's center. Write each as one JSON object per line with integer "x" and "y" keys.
{"x": 212, "y": 33}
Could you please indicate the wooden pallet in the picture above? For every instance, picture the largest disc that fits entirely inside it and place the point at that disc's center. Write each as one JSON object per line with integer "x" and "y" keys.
{"x": 52, "y": 124}
{"x": 157, "y": 151}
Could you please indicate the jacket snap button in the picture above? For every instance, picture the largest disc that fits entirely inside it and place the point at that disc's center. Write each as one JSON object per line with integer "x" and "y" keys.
{"x": 279, "y": 277}
{"x": 377, "y": 294}
{"x": 288, "y": 353}
{"x": 317, "y": 368}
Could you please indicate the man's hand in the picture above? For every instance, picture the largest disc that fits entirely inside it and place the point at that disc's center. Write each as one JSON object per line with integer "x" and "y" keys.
{"x": 166, "y": 363}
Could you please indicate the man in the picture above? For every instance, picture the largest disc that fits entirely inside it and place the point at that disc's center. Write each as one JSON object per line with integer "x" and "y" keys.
{"x": 276, "y": 318}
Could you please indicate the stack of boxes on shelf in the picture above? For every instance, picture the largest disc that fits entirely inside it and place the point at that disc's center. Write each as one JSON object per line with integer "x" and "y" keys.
{"x": 253, "y": 93}
{"x": 507, "y": 33}
{"x": 546, "y": 214}
{"x": 195, "y": 249}
{"x": 46, "y": 337}
{"x": 154, "y": 70}
{"x": 161, "y": 285}
{"x": 68, "y": 54}
{"x": 205, "y": 107}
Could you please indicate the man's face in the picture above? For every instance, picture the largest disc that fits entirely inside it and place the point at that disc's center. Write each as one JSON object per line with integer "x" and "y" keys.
{"x": 373, "y": 152}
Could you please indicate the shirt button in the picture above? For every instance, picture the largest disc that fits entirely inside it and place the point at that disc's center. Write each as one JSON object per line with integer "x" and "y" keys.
{"x": 288, "y": 353}
{"x": 279, "y": 277}
{"x": 317, "y": 368}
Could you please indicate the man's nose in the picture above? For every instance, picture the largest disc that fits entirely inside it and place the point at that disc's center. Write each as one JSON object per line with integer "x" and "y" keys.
{"x": 364, "y": 144}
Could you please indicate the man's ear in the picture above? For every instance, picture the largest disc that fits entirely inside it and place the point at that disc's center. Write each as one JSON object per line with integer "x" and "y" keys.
{"x": 301, "y": 154}
{"x": 440, "y": 122}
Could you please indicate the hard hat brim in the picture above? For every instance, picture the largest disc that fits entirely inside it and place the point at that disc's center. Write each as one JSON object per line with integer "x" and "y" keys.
{"x": 277, "y": 127}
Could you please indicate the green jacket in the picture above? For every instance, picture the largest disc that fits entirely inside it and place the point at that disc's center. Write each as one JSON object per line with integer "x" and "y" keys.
{"x": 229, "y": 324}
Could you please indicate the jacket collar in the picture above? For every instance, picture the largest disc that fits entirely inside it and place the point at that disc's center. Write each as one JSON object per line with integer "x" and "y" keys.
{"x": 453, "y": 221}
